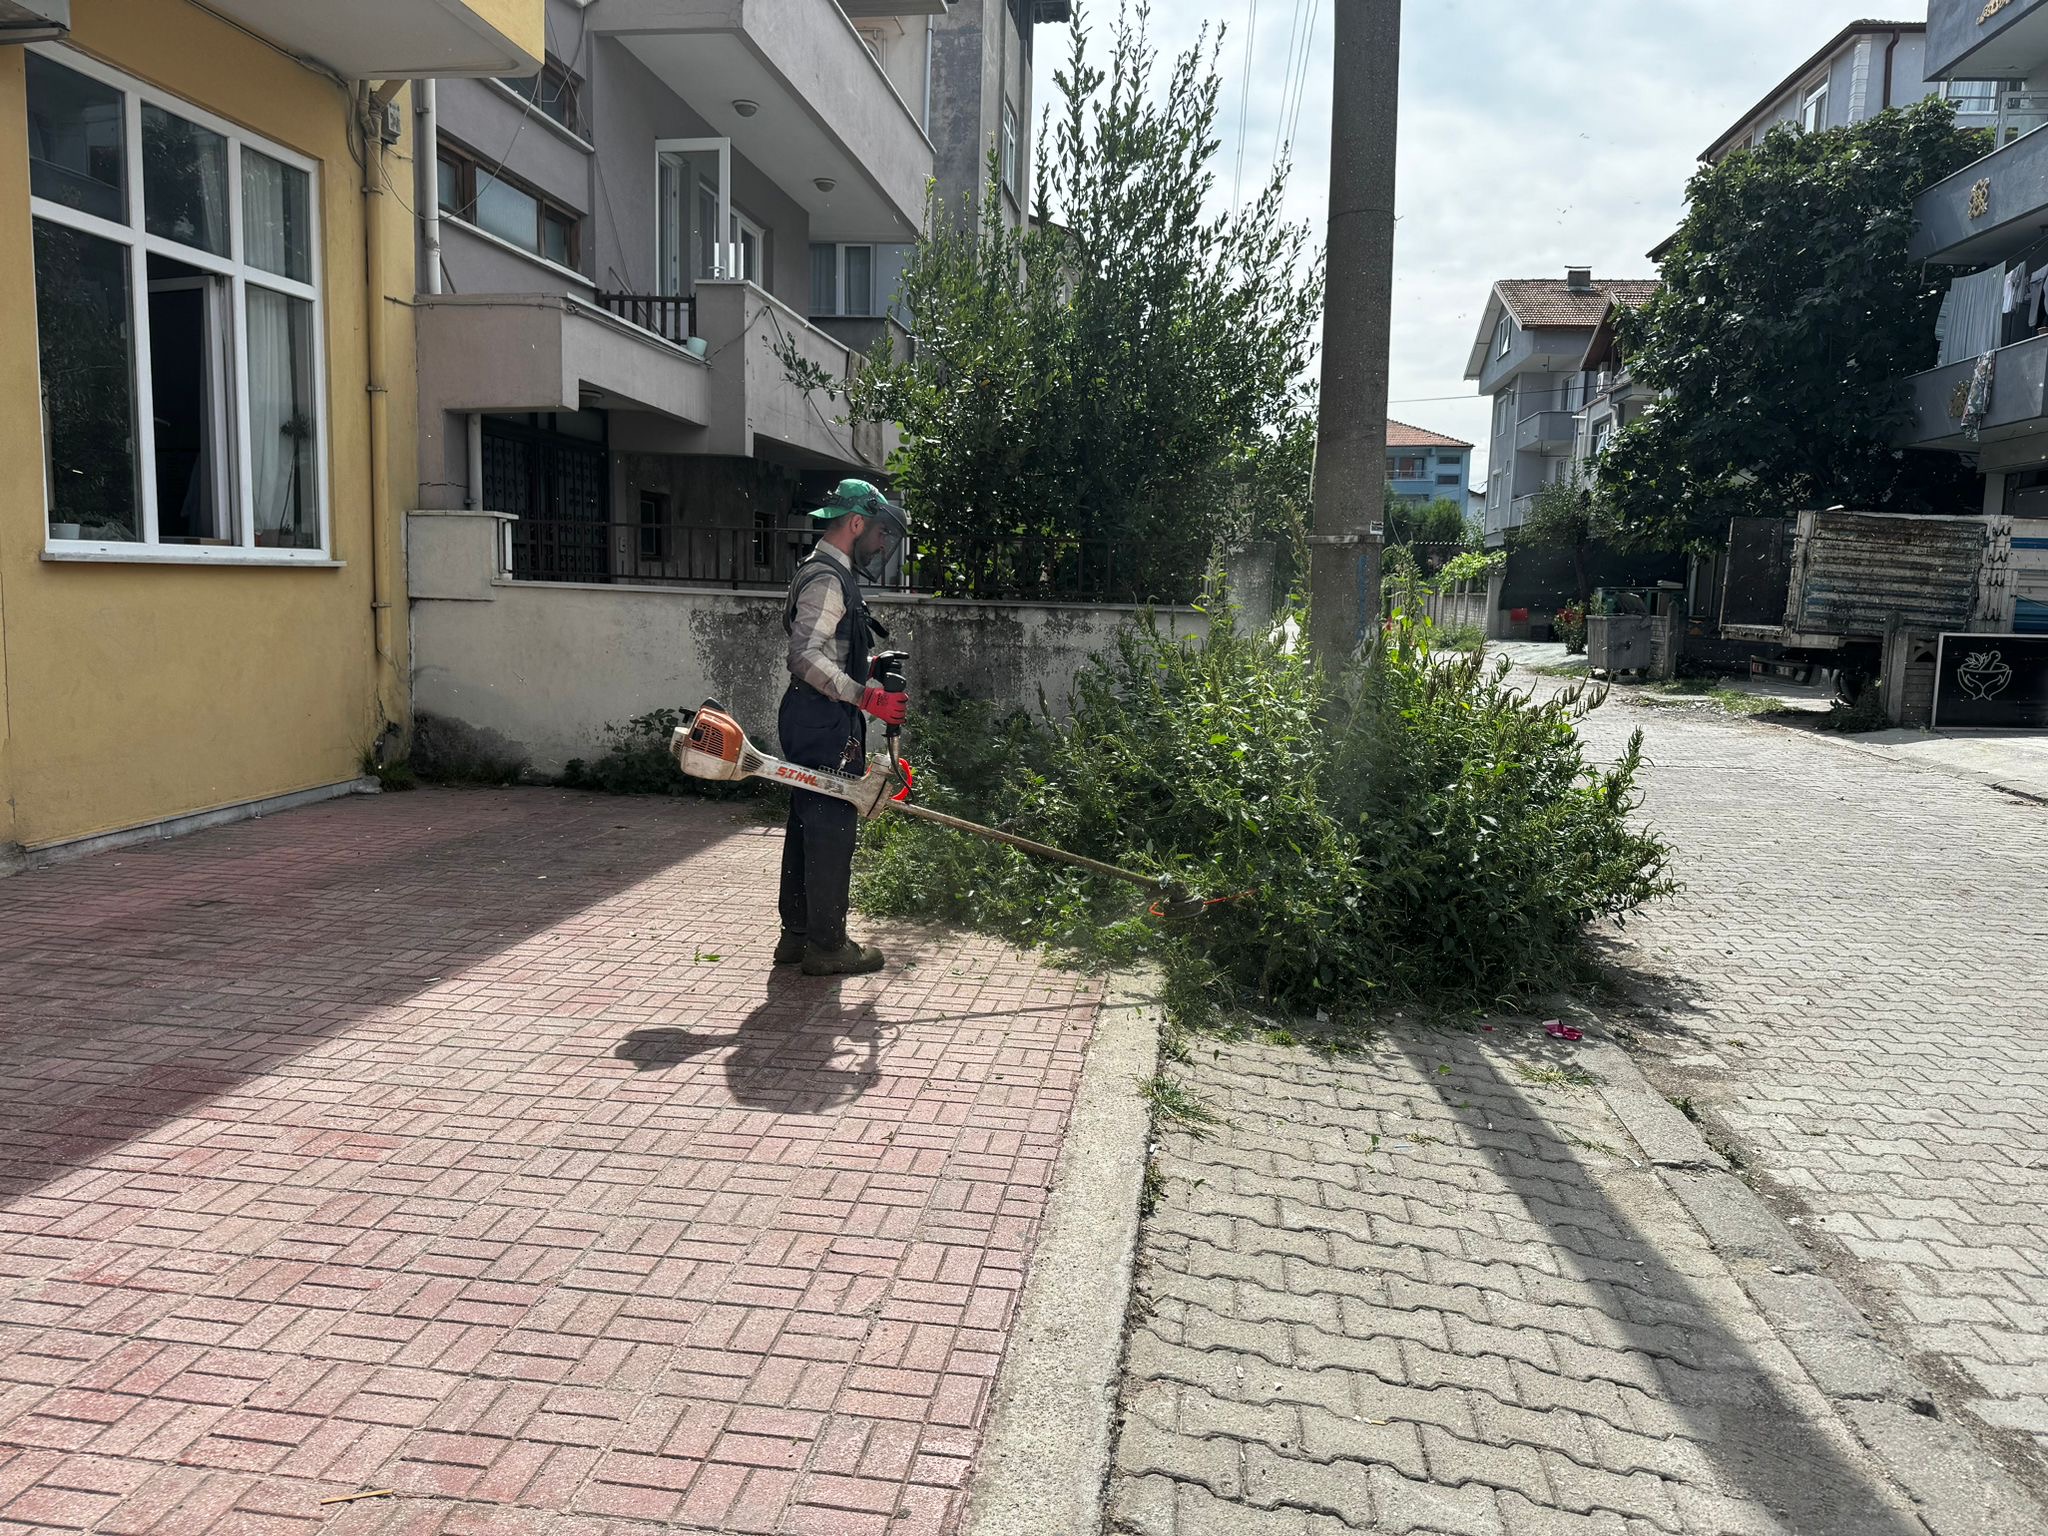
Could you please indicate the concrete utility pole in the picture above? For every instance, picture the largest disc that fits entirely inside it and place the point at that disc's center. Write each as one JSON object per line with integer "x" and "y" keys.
{"x": 1351, "y": 430}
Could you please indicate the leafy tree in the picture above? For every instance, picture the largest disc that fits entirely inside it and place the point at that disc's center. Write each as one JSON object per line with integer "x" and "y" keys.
{"x": 1430, "y": 522}
{"x": 1128, "y": 368}
{"x": 1566, "y": 515}
{"x": 1788, "y": 314}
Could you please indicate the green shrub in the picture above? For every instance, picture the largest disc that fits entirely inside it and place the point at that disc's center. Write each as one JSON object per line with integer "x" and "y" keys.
{"x": 1421, "y": 829}
{"x": 1866, "y": 714}
{"x": 1569, "y": 625}
{"x": 637, "y": 761}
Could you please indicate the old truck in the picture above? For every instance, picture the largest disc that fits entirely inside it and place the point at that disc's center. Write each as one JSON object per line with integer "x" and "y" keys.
{"x": 1869, "y": 594}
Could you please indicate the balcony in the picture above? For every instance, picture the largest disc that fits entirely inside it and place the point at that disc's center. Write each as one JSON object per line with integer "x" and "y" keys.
{"x": 1992, "y": 209}
{"x": 1547, "y": 432}
{"x": 1970, "y": 40}
{"x": 794, "y": 88}
{"x": 863, "y": 333}
{"x": 755, "y": 407}
{"x": 2019, "y": 400}
{"x": 552, "y": 352}
{"x": 399, "y": 39}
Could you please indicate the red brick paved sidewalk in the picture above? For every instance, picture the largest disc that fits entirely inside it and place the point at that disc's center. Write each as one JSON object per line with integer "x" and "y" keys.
{"x": 465, "y": 1145}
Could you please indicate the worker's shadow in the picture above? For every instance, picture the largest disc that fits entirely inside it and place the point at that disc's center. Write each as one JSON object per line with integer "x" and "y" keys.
{"x": 801, "y": 1052}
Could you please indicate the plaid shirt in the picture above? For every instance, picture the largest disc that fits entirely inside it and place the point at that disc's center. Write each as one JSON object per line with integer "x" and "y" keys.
{"x": 814, "y": 653}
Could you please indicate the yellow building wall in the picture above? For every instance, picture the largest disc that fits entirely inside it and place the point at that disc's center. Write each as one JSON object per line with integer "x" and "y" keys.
{"x": 130, "y": 693}
{"x": 521, "y": 22}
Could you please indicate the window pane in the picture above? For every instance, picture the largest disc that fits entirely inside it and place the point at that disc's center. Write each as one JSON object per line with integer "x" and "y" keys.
{"x": 184, "y": 181}
{"x": 507, "y": 212}
{"x": 860, "y": 280}
{"x": 282, "y": 421}
{"x": 709, "y": 258}
{"x": 558, "y": 98}
{"x": 188, "y": 317}
{"x": 555, "y": 234}
{"x": 76, "y": 152}
{"x": 448, "y": 178}
{"x": 88, "y": 398}
{"x": 824, "y": 279}
{"x": 277, "y": 216}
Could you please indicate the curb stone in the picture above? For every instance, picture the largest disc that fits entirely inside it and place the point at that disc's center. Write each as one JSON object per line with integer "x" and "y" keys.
{"x": 1044, "y": 1462}
{"x": 1955, "y": 1486}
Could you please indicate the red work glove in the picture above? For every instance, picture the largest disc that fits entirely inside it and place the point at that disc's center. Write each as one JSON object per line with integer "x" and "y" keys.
{"x": 889, "y": 708}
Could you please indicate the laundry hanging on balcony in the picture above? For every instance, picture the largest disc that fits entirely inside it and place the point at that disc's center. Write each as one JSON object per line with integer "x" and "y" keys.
{"x": 1973, "y": 316}
{"x": 1978, "y": 405}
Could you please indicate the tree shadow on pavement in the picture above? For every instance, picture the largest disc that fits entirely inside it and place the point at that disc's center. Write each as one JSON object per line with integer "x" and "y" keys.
{"x": 1669, "y": 1305}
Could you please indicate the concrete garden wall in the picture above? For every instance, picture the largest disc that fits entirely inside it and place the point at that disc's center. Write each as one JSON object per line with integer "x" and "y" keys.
{"x": 549, "y": 665}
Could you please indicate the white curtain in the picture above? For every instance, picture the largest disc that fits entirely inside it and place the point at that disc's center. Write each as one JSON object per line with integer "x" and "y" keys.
{"x": 1975, "y": 316}
{"x": 281, "y": 419}
{"x": 275, "y": 215}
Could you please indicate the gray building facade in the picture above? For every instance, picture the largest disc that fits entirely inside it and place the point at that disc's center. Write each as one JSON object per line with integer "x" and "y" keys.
{"x": 1530, "y": 359}
{"x": 622, "y": 259}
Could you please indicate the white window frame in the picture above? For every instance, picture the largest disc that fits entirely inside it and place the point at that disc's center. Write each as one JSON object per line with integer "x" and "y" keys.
{"x": 839, "y": 311}
{"x": 740, "y": 225}
{"x": 1011, "y": 146}
{"x": 1813, "y": 107}
{"x": 134, "y": 237}
{"x": 684, "y": 275}
{"x": 1503, "y": 336}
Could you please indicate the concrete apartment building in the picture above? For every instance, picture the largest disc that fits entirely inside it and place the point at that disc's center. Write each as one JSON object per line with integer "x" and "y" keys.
{"x": 1988, "y": 395}
{"x": 1864, "y": 69}
{"x": 1425, "y": 466}
{"x": 631, "y": 248}
{"x": 1530, "y": 358}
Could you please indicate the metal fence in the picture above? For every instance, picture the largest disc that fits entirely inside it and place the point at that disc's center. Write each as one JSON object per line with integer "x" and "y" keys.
{"x": 1016, "y": 568}
{"x": 671, "y": 316}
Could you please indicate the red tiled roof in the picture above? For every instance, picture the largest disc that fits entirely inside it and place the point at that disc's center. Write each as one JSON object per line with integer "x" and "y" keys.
{"x": 1547, "y": 301}
{"x": 1401, "y": 435}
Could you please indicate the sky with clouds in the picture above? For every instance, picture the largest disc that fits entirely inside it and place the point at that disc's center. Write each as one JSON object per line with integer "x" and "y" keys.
{"x": 1535, "y": 135}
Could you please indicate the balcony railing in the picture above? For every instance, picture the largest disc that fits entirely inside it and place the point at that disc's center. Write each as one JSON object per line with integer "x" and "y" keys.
{"x": 671, "y": 316}
{"x": 1015, "y": 568}
{"x": 2019, "y": 114}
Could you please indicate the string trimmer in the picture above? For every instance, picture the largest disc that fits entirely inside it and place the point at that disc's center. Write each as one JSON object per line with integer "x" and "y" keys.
{"x": 711, "y": 745}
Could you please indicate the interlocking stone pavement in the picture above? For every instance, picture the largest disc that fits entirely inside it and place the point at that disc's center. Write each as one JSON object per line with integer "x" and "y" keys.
{"x": 1434, "y": 1289}
{"x": 462, "y": 1144}
{"x": 1857, "y": 995}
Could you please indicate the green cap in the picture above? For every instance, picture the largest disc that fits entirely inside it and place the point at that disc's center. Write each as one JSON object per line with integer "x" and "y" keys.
{"x": 850, "y": 496}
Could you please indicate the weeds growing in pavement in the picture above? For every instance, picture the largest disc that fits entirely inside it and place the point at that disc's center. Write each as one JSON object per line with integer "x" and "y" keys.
{"x": 1418, "y": 829}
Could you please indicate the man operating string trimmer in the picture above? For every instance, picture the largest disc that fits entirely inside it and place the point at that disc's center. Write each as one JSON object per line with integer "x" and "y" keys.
{"x": 822, "y": 723}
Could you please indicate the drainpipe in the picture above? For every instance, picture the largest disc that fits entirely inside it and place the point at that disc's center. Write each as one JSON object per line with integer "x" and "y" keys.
{"x": 1890, "y": 48}
{"x": 426, "y": 153}
{"x": 929, "y": 29}
{"x": 371, "y": 114}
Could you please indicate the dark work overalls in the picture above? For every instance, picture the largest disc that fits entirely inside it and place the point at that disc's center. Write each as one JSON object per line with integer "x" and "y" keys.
{"x": 821, "y": 732}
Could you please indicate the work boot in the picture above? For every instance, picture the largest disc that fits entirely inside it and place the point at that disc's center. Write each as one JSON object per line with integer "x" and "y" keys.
{"x": 789, "y": 948}
{"x": 849, "y": 959}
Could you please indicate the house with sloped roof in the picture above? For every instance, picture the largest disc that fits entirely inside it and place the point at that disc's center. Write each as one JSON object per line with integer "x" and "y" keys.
{"x": 1529, "y": 357}
{"x": 1425, "y": 466}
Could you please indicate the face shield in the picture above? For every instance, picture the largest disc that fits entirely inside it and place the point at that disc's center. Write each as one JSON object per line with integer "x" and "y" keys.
{"x": 888, "y": 527}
